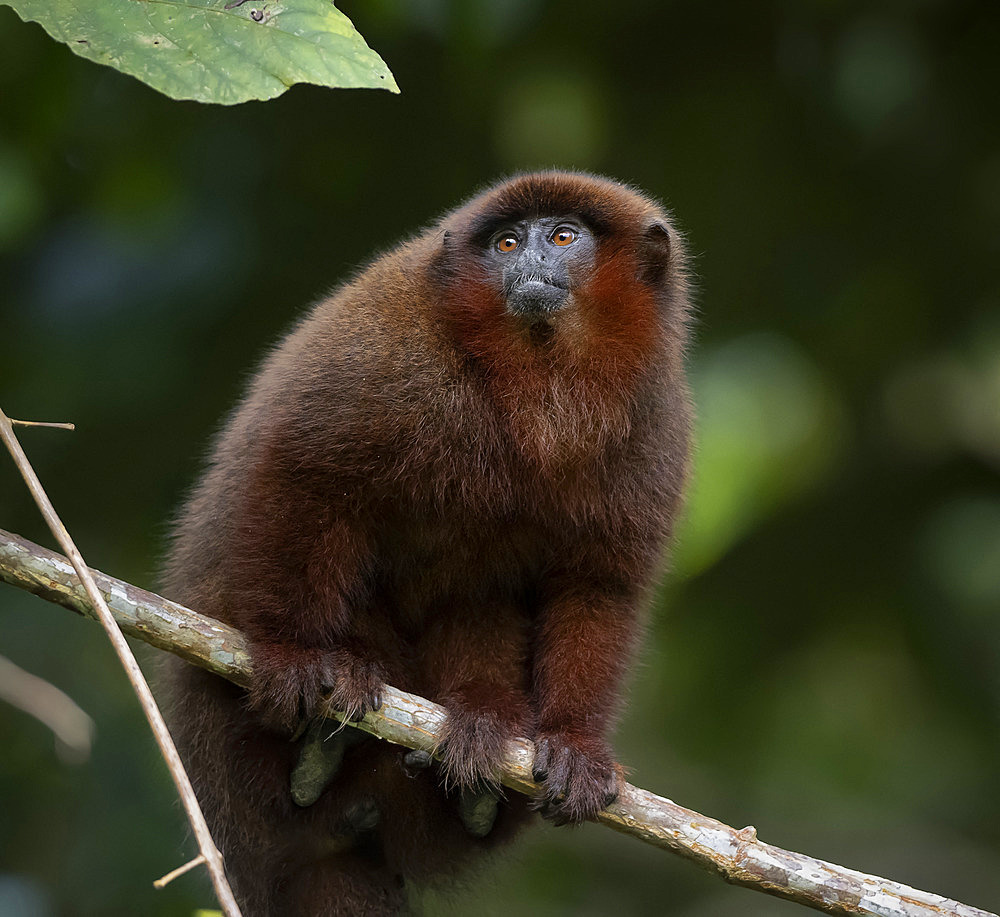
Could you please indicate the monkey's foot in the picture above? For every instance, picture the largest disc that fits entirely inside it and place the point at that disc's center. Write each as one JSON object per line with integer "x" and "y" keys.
{"x": 473, "y": 745}
{"x": 362, "y": 816}
{"x": 289, "y": 684}
{"x": 477, "y": 808}
{"x": 576, "y": 779}
{"x": 320, "y": 758}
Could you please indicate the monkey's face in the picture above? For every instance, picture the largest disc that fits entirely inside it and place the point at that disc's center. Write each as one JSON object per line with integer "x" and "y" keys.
{"x": 539, "y": 262}
{"x": 562, "y": 275}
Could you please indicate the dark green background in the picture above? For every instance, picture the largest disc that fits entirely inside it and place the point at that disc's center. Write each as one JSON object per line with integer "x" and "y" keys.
{"x": 823, "y": 663}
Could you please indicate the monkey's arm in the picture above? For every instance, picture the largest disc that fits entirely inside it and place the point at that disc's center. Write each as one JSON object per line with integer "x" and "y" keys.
{"x": 478, "y": 656}
{"x": 585, "y": 641}
{"x": 295, "y": 572}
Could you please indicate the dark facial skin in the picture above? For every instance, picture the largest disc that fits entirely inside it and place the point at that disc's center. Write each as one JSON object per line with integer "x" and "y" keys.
{"x": 539, "y": 261}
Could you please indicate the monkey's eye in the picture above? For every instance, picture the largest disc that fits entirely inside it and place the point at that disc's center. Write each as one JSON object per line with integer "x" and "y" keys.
{"x": 507, "y": 243}
{"x": 563, "y": 236}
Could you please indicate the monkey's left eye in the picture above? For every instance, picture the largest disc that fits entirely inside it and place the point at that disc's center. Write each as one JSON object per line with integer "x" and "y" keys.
{"x": 563, "y": 236}
{"x": 507, "y": 243}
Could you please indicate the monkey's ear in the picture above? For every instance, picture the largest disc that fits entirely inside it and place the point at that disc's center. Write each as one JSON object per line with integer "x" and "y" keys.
{"x": 441, "y": 262}
{"x": 655, "y": 253}
{"x": 657, "y": 234}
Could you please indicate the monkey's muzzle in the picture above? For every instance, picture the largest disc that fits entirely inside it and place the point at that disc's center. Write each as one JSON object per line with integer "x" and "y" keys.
{"x": 534, "y": 295}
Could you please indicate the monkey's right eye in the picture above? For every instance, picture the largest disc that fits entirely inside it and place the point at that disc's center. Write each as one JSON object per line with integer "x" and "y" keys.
{"x": 507, "y": 243}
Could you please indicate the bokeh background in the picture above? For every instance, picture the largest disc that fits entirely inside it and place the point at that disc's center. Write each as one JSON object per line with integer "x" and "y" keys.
{"x": 824, "y": 660}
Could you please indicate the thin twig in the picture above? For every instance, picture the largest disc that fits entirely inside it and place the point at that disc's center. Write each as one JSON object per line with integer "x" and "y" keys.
{"x": 738, "y": 856}
{"x": 167, "y": 748}
{"x": 42, "y": 423}
{"x": 73, "y": 729}
{"x": 179, "y": 871}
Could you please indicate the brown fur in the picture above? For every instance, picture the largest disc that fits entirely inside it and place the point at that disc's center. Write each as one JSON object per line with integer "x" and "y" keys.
{"x": 418, "y": 491}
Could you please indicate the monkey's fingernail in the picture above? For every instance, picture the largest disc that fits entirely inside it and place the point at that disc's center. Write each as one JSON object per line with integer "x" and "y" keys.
{"x": 549, "y": 811}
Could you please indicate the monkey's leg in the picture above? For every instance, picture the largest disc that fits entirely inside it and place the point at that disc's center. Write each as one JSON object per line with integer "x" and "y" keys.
{"x": 281, "y": 860}
{"x": 240, "y": 776}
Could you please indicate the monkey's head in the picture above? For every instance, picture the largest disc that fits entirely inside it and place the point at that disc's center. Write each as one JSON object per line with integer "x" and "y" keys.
{"x": 563, "y": 265}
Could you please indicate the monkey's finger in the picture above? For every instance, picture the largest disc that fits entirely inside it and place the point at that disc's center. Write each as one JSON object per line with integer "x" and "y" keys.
{"x": 540, "y": 766}
{"x": 368, "y": 705}
{"x": 559, "y": 771}
{"x": 552, "y": 810}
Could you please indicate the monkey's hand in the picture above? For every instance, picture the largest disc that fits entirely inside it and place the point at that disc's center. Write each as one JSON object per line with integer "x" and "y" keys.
{"x": 475, "y": 739}
{"x": 290, "y": 684}
{"x": 576, "y": 777}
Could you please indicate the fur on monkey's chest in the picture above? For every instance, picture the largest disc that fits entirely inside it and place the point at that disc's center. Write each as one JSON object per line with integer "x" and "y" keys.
{"x": 428, "y": 563}
{"x": 480, "y": 522}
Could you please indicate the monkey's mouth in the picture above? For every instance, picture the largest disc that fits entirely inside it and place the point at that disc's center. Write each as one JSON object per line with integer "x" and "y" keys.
{"x": 535, "y": 296}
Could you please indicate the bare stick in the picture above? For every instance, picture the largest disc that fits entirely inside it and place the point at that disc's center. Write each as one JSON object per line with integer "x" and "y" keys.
{"x": 167, "y": 748}
{"x": 738, "y": 856}
{"x": 73, "y": 729}
{"x": 179, "y": 871}
{"x": 42, "y": 423}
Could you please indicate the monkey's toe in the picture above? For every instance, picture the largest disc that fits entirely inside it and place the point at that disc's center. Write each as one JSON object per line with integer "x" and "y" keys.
{"x": 477, "y": 808}
{"x": 416, "y": 761}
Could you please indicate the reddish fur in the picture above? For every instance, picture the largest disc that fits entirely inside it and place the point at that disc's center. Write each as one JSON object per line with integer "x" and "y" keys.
{"x": 416, "y": 490}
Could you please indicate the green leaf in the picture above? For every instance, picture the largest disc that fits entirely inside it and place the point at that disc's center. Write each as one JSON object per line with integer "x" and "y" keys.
{"x": 198, "y": 49}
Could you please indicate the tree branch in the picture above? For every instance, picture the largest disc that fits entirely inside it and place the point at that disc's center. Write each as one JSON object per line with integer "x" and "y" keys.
{"x": 737, "y": 856}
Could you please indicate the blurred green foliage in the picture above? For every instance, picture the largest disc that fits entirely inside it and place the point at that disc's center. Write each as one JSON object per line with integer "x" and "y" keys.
{"x": 823, "y": 663}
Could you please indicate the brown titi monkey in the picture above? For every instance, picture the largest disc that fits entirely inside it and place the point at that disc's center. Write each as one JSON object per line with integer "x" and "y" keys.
{"x": 457, "y": 475}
